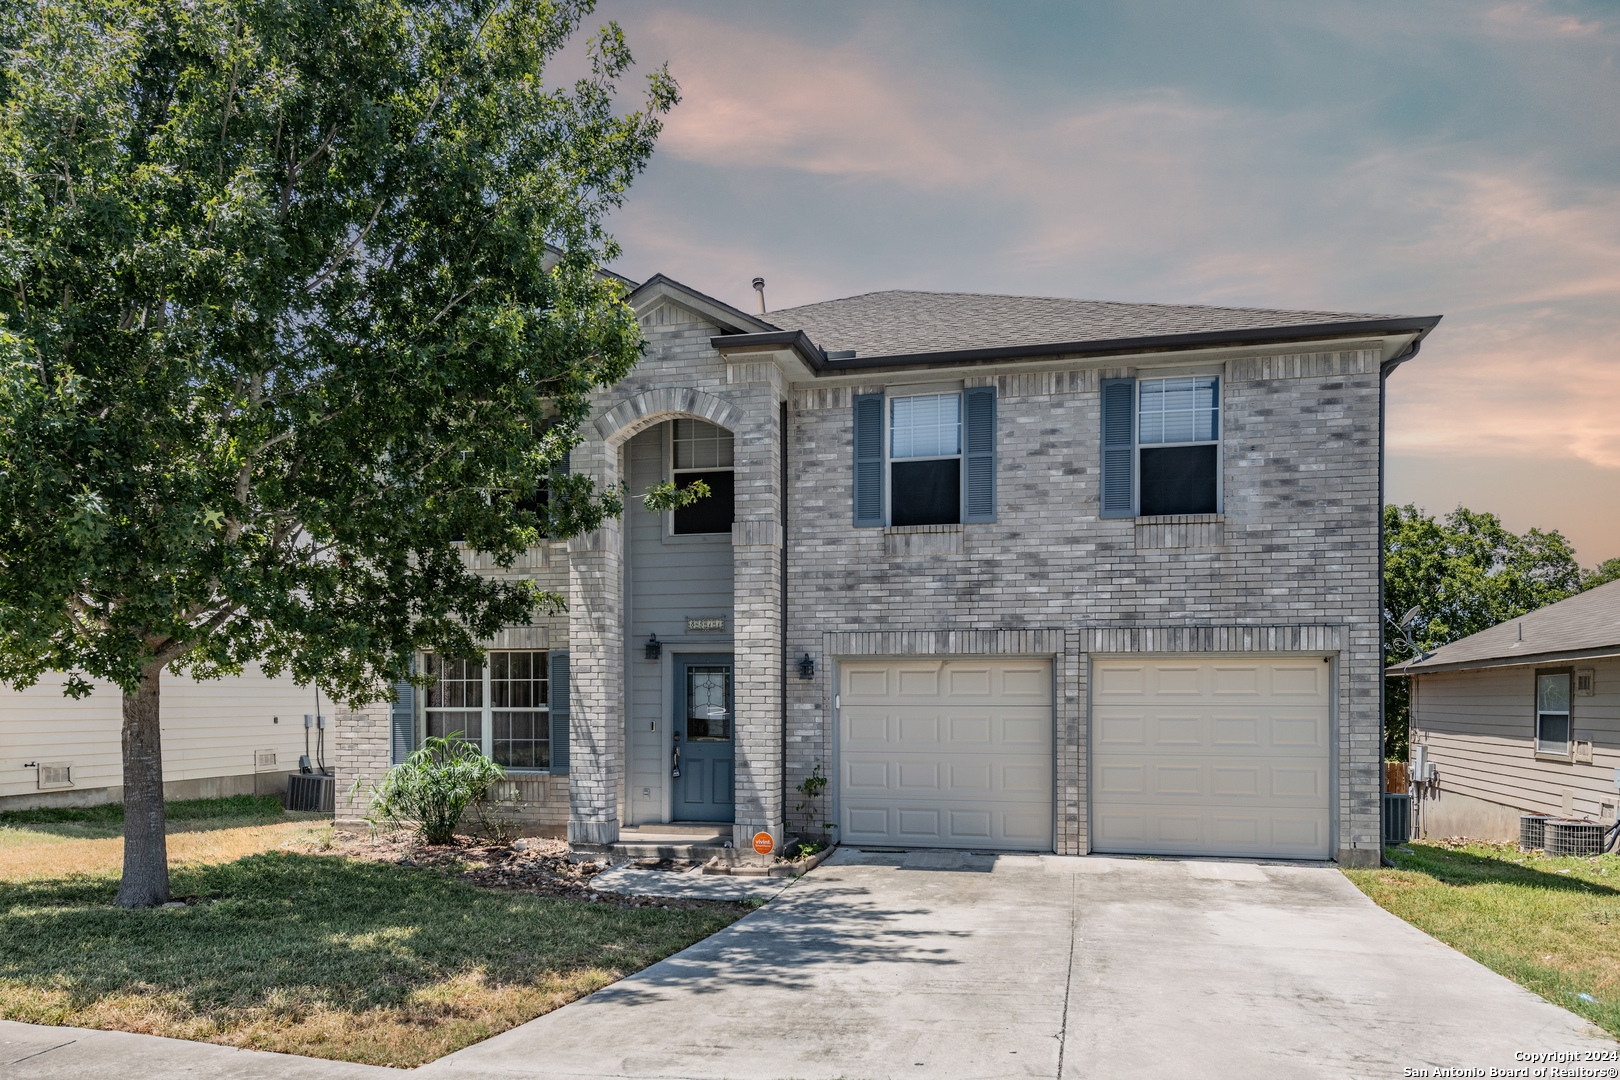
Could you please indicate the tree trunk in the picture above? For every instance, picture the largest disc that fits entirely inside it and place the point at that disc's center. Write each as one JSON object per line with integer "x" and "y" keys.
{"x": 146, "y": 851}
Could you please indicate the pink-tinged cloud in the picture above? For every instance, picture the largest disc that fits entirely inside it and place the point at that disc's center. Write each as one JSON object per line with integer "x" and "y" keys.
{"x": 887, "y": 153}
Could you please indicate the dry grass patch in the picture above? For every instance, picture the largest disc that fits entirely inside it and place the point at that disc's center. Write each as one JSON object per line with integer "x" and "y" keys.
{"x": 1550, "y": 924}
{"x": 335, "y": 957}
{"x": 36, "y": 852}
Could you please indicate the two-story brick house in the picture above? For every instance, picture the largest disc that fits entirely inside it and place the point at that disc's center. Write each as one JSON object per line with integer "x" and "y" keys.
{"x": 1016, "y": 573}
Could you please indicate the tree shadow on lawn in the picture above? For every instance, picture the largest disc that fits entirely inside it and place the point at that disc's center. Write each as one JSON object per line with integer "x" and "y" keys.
{"x": 286, "y": 933}
{"x": 1450, "y": 866}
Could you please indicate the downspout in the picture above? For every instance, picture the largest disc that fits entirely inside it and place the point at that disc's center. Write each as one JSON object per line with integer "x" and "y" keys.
{"x": 782, "y": 480}
{"x": 1383, "y": 719}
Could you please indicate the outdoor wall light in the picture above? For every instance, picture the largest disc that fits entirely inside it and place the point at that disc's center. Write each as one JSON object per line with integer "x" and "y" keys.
{"x": 655, "y": 648}
{"x": 807, "y": 667}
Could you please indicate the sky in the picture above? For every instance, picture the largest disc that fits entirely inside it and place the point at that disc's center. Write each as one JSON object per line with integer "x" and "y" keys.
{"x": 1452, "y": 158}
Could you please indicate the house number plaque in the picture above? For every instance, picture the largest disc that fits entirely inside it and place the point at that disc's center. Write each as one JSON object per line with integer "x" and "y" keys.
{"x": 705, "y": 624}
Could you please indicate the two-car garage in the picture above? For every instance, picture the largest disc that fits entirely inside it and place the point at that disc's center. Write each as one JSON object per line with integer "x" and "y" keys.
{"x": 1225, "y": 755}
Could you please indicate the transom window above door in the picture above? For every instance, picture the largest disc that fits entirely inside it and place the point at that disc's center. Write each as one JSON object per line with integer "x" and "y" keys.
{"x": 703, "y": 451}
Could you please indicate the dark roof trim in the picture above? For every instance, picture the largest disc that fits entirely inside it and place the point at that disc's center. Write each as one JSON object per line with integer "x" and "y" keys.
{"x": 797, "y": 340}
{"x": 1598, "y": 653}
{"x": 1156, "y": 342}
{"x": 742, "y": 318}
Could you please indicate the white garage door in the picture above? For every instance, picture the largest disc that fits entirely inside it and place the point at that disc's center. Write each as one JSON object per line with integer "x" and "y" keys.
{"x": 946, "y": 753}
{"x": 1224, "y": 756}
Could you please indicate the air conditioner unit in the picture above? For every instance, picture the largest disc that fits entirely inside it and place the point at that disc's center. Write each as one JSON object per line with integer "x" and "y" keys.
{"x": 311, "y": 791}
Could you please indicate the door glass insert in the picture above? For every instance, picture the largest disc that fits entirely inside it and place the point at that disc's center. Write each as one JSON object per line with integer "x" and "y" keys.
{"x": 708, "y": 703}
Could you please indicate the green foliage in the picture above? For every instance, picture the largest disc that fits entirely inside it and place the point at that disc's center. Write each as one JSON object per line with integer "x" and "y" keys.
{"x": 293, "y": 298}
{"x": 433, "y": 788}
{"x": 1465, "y": 573}
{"x": 232, "y": 806}
{"x": 811, "y": 788}
{"x": 1605, "y": 572}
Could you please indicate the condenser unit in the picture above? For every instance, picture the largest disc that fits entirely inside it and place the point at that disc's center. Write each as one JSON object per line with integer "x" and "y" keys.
{"x": 311, "y": 791}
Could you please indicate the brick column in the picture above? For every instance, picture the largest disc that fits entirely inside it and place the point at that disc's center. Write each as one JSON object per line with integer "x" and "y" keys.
{"x": 756, "y": 539}
{"x": 362, "y": 753}
{"x": 596, "y": 659}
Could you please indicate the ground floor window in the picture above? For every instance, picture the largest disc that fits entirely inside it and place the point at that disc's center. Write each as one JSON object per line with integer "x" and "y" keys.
{"x": 1552, "y": 713}
{"x": 502, "y": 706}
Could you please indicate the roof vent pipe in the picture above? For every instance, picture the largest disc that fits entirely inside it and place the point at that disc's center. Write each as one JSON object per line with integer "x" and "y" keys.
{"x": 759, "y": 287}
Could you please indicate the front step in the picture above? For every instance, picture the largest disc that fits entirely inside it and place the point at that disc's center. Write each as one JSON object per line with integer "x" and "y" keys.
{"x": 693, "y": 841}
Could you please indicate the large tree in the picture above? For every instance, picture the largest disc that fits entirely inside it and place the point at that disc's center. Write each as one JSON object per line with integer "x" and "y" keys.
{"x": 298, "y": 297}
{"x": 1464, "y": 573}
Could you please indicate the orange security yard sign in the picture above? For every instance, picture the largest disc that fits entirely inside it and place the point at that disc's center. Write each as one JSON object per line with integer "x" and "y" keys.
{"x": 762, "y": 843}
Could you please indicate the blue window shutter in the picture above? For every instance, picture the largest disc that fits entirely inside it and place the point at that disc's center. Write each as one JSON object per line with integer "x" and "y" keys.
{"x": 868, "y": 460}
{"x": 402, "y": 722}
{"x": 559, "y": 711}
{"x": 1118, "y": 448}
{"x": 979, "y": 454}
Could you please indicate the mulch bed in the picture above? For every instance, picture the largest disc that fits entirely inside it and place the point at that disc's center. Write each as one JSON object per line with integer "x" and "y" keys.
{"x": 531, "y": 865}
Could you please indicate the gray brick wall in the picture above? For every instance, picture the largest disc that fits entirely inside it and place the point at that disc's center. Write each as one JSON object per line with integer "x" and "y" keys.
{"x": 1291, "y": 558}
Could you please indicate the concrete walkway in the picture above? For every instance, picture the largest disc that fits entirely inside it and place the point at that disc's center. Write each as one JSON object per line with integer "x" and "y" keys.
{"x": 941, "y": 965}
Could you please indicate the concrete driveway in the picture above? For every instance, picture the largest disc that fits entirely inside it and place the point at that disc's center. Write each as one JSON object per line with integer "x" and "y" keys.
{"x": 939, "y": 965}
{"x": 936, "y": 964}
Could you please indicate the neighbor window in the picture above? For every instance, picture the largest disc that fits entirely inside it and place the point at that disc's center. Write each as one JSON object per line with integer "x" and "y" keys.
{"x": 502, "y": 707}
{"x": 1161, "y": 446}
{"x": 1552, "y": 713}
{"x": 702, "y": 451}
{"x": 925, "y": 460}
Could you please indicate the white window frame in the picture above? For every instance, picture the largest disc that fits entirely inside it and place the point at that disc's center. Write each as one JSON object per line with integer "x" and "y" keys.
{"x": 1568, "y": 752}
{"x": 1218, "y": 442}
{"x": 901, "y": 392}
{"x": 674, "y": 475}
{"x": 487, "y": 723}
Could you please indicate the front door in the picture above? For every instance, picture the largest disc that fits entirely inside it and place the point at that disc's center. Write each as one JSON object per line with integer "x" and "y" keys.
{"x": 704, "y": 727}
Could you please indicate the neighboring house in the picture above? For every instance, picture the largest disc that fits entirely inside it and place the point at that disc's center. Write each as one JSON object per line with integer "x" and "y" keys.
{"x": 1521, "y": 718}
{"x": 1016, "y": 573}
{"x": 231, "y": 736}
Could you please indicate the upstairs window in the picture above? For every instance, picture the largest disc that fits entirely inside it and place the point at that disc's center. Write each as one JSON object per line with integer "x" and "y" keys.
{"x": 1161, "y": 446}
{"x": 1552, "y": 714}
{"x": 925, "y": 460}
{"x": 700, "y": 450}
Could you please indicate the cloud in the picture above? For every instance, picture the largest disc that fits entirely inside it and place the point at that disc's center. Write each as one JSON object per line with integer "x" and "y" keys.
{"x": 1462, "y": 165}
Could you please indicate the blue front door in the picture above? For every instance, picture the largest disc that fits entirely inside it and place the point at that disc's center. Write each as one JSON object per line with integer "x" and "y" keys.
{"x": 704, "y": 729}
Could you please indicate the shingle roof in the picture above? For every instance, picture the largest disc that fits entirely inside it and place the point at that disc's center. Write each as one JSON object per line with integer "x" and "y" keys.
{"x": 898, "y": 322}
{"x": 1585, "y": 622}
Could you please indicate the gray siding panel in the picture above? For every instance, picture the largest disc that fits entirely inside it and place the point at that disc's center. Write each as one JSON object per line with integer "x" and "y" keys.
{"x": 1479, "y": 730}
{"x": 668, "y": 579}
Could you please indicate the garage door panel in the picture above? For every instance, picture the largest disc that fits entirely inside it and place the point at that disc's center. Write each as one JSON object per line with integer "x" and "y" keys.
{"x": 1114, "y": 730}
{"x": 964, "y": 757}
{"x": 1221, "y": 756}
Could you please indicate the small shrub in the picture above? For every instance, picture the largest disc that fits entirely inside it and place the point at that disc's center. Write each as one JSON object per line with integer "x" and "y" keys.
{"x": 432, "y": 789}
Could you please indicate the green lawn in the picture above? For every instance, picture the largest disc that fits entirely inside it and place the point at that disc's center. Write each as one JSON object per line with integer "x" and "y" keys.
{"x": 298, "y": 951}
{"x": 1550, "y": 924}
{"x": 234, "y": 807}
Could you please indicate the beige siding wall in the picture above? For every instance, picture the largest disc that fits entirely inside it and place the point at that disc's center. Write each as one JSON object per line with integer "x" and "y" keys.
{"x": 1479, "y": 727}
{"x": 210, "y": 729}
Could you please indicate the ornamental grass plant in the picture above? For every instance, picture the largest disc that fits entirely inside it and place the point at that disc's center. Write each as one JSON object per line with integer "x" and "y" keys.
{"x": 431, "y": 790}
